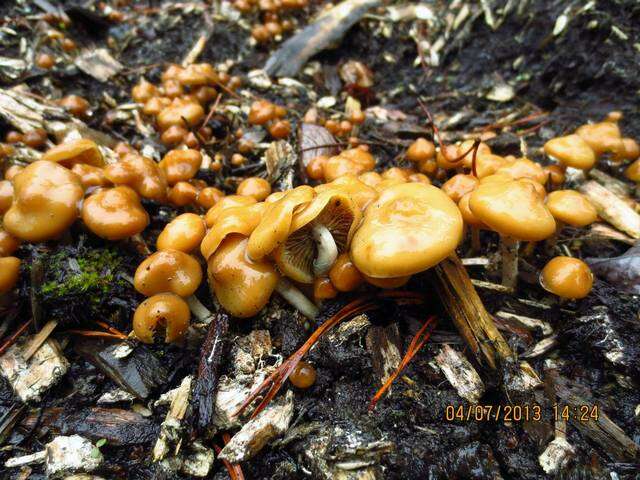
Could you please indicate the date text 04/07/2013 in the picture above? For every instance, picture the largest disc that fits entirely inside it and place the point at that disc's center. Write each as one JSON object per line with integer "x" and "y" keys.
{"x": 520, "y": 413}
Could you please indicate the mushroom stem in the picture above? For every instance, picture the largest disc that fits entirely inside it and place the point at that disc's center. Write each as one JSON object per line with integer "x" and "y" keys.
{"x": 509, "y": 252}
{"x": 296, "y": 298}
{"x": 201, "y": 312}
{"x": 327, "y": 250}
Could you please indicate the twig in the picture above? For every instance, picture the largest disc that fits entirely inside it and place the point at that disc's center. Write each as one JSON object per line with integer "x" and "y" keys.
{"x": 38, "y": 339}
{"x": 12, "y": 339}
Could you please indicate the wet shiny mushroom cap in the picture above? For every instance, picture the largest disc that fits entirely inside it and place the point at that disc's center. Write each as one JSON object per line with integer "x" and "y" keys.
{"x": 275, "y": 224}
{"x": 46, "y": 202}
{"x": 344, "y": 275}
{"x": 632, "y": 172}
{"x": 230, "y": 201}
{"x": 90, "y": 176}
{"x": 360, "y": 192}
{"x": 162, "y": 311}
{"x": 140, "y": 173}
{"x": 243, "y": 287}
{"x": 168, "y": 271}
{"x": 8, "y": 243}
{"x": 9, "y": 273}
{"x": 184, "y": 233}
{"x": 421, "y": 150}
{"x": 513, "y": 209}
{"x": 410, "y": 228}
{"x": 181, "y": 112}
{"x": 238, "y": 220}
{"x": 602, "y": 137}
{"x": 467, "y": 215}
{"x": 489, "y": 164}
{"x": 352, "y": 161}
{"x": 631, "y": 149}
{"x": 114, "y": 213}
{"x": 332, "y": 212}
{"x": 459, "y": 185}
{"x": 571, "y": 151}
{"x": 255, "y": 187}
{"x": 567, "y": 277}
{"x": 525, "y": 168}
{"x": 6, "y": 195}
{"x": 180, "y": 165}
{"x": 81, "y": 151}
{"x": 572, "y": 208}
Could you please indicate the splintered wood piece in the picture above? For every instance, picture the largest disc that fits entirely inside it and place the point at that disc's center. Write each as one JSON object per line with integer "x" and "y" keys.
{"x": 38, "y": 339}
{"x": 170, "y": 437}
{"x": 468, "y": 313}
{"x": 612, "y": 208}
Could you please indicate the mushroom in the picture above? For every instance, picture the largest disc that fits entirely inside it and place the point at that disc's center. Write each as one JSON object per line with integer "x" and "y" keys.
{"x": 164, "y": 310}
{"x": 344, "y": 275}
{"x": 90, "y": 176}
{"x": 323, "y": 289}
{"x": 182, "y": 194}
{"x": 140, "y": 173}
{"x": 516, "y": 211}
{"x": 459, "y": 185}
{"x": 471, "y": 221}
{"x": 603, "y": 137}
{"x": 525, "y": 168}
{"x": 420, "y": 151}
{"x": 180, "y": 165}
{"x": 230, "y": 201}
{"x": 209, "y": 196}
{"x": 46, "y": 202}
{"x": 8, "y": 243}
{"x": 631, "y": 149}
{"x": 240, "y": 220}
{"x": 410, "y": 228}
{"x": 319, "y": 232}
{"x": 571, "y": 151}
{"x": 71, "y": 153}
{"x": 168, "y": 271}
{"x": 255, "y": 187}
{"x": 360, "y": 192}
{"x": 9, "y": 273}
{"x": 114, "y": 213}
{"x": 567, "y": 277}
{"x": 303, "y": 375}
{"x": 182, "y": 112}
{"x": 183, "y": 233}
{"x": 571, "y": 208}
{"x": 275, "y": 225}
{"x": 354, "y": 161}
{"x": 6, "y": 195}
{"x": 488, "y": 164}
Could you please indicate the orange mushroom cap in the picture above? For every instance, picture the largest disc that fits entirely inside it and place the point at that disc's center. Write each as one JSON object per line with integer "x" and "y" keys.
{"x": 602, "y": 137}
{"x": 181, "y": 165}
{"x": 6, "y": 195}
{"x": 90, "y": 176}
{"x": 162, "y": 310}
{"x": 240, "y": 220}
{"x": 567, "y": 277}
{"x": 8, "y": 243}
{"x": 184, "y": 233}
{"x": 77, "y": 151}
{"x": 572, "y": 208}
{"x": 9, "y": 273}
{"x": 255, "y": 187}
{"x": 359, "y": 192}
{"x": 571, "y": 151}
{"x": 140, "y": 173}
{"x": 115, "y": 213}
{"x": 46, "y": 202}
{"x": 525, "y": 168}
{"x": 459, "y": 185}
{"x": 421, "y": 150}
{"x": 223, "y": 204}
{"x": 168, "y": 271}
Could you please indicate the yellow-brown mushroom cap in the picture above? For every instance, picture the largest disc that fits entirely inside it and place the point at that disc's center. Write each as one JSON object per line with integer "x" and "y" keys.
{"x": 180, "y": 111}
{"x": 184, "y": 233}
{"x": 243, "y": 287}
{"x": 46, "y": 202}
{"x": 421, "y": 150}
{"x": 567, "y": 277}
{"x": 631, "y": 149}
{"x": 602, "y": 137}
{"x": 359, "y": 192}
{"x": 410, "y": 228}
{"x": 467, "y": 215}
{"x": 488, "y": 164}
{"x": 115, "y": 213}
{"x": 255, "y": 187}
{"x": 459, "y": 185}
{"x": 181, "y": 165}
{"x": 8, "y": 243}
{"x": 140, "y": 173}
{"x": 571, "y": 151}
{"x": 71, "y": 153}
{"x": 572, "y": 208}
{"x": 230, "y": 201}
{"x": 334, "y": 210}
{"x": 275, "y": 225}
{"x": 513, "y": 209}
{"x": 90, "y": 176}
{"x": 162, "y": 310}
{"x": 168, "y": 271}
{"x": 9, "y": 273}
{"x": 6, "y": 195}
{"x": 525, "y": 168}
{"x": 632, "y": 172}
{"x": 240, "y": 220}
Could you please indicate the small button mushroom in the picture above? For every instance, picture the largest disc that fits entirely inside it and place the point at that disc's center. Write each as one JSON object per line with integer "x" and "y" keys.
{"x": 344, "y": 275}
{"x": 280, "y": 129}
{"x": 571, "y": 151}
{"x": 275, "y": 225}
{"x": 571, "y": 208}
{"x": 353, "y": 161}
{"x": 371, "y": 179}
{"x": 467, "y": 149}
{"x": 255, "y": 187}
{"x": 75, "y": 105}
{"x": 419, "y": 178}
{"x": 567, "y": 277}
{"x": 90, "y": 176}
{"x": 9, "y": 273}
{"x": 323, "y": 289}
{"x": 71, "y": 153}
{"x": 209, "y": 196}
{"x": 319, "y": 232}
{"x": 489, "y": 164}
{"x": 143, "y": 91}
{"x": 239, "y": 220}
{"x": 35, "y": 138}
{"x": 631, "y": 149}
{"x": 396, "y": 173}
{"x": 447, "y": 157}
{"x": 6, "y": 195}
{"x": 261, "y": 112}
{"x": 243, "y": 287}
{"x": 140, "y": 173}
{"x": 602, "y": 137}
{"x": 46, "y": 202}
{"x": 459, "y": 185}
{"x": 359, "y": 192}
{"x": 230, "y": 201}
{"x": 421, "y": 150}
{"x": 155, "y": 105}
{"x": 180, "y": 112}
{"x": 8, "y": 243}
{"x": 162, "y": 311}
{"x": 198, "y": 74}
{"x": 525, "y": 168}
{"x": 303, "y": 375}
{"x": 315, "y": 167}
{"x": 556, "y": 175}
{"x": 632, "y": 172}
{"x": 45, "y": 61}
{"x": 114, "y": 213}
{"x": 181, "y": 165}
{"x": 182, "y": 194}
{"x": 183, "y": 233}
{"x": 516, "y": 211}
{"x": 410, "y": 228}
{"x": 168, "y": 271}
